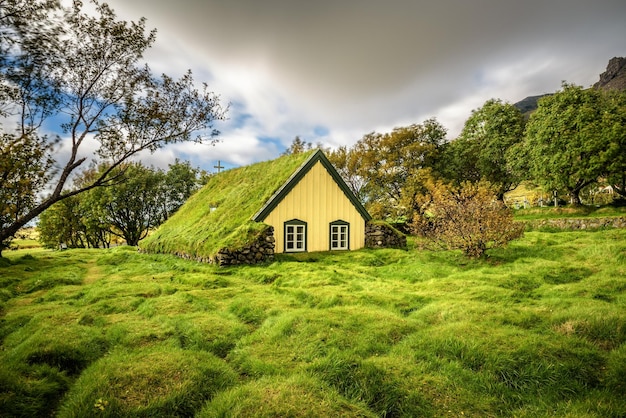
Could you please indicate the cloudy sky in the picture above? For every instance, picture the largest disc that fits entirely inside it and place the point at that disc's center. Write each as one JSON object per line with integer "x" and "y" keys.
{"x": 331, "y": 71}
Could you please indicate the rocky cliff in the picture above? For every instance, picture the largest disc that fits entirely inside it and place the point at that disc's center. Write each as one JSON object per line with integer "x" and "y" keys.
{"x": 614, "y": 78}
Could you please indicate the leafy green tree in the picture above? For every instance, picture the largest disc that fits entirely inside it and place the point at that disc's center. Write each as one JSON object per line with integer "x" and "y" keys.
{"x": 77, "y": 221}
{"x": 93, "y": 216}
{"x": 25, "y": 168}
{"x": 72, "y": 222}
{"x": 133, "y": 206}
{"x": 61, "y": 224}
{"x": 85, "y": 71}
{"x": 458, "y": 161}
{"x": 298, "y": 146}
{"x": 179, "y": 182}
{"x": 141, "y": 199}
{"x": 574, "y": 137}
{"x": 347, "y": 164}
{"x": 468, "y": 217}
{"x": 482, "y": 150}
{"x": 616, "y": 170}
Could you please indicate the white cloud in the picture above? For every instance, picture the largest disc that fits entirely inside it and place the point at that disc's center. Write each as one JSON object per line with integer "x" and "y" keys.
{"x": 353, "y": 67}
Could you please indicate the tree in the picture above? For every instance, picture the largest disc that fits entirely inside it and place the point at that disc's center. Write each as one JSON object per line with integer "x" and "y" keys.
{"x": 572, "y": 139}
{"x": 394, "y": 166}
{"x": 132, "y": 207}
{"x": 179, "y": 182}
{"x": 61, "y": 223}
{"x": 458, "y": 161}
{"x": 82, "y": 74}
{"x": 298, "y": 146}
{"x": 140, "y": 200}
{"x": 468, "y": 217}
{"x": 482, "y": 150}
{"x": 616, "y": 170}
{"x": 75, "y": 222}
{"x": 346, "y": 163}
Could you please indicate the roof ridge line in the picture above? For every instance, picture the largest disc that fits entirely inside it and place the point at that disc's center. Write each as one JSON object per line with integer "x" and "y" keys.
{"x": 305, "y": 167}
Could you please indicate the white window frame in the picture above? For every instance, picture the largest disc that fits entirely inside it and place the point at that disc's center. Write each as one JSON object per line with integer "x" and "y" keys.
{"x": 295, "y": 236}
{"x": 339, "y": 235}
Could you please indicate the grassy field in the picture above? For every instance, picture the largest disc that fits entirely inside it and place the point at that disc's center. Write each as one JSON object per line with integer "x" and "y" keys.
{"x": 536, "y": 329}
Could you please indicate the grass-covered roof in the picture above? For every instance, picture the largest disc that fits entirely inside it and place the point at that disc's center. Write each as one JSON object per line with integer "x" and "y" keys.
{"x": 220, "y": 214}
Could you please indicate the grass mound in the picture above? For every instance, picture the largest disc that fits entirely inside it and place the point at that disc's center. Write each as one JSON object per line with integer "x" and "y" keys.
{"x": 149, "y": 382}
{"x": 372, "y": 382}
{"x": 584, "y": 211}
{"x": 42, "y": 363}
{"x": 295, "y": 396}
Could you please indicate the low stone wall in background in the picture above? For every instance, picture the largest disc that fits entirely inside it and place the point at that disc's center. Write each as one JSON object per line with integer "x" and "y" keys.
{"x": 382, "y": 235}
{"x": 577, "y": 223}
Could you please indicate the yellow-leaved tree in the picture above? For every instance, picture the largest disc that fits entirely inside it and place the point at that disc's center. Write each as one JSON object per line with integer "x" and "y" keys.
{"x": 468, "y": 217}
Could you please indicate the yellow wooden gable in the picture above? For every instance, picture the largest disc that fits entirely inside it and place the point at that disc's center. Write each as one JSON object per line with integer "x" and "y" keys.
{"x": 315, "y": 211}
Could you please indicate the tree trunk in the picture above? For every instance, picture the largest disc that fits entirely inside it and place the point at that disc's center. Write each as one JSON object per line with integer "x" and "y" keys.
{"x": 575, "y": 197}
{"x": 620, "y": 188}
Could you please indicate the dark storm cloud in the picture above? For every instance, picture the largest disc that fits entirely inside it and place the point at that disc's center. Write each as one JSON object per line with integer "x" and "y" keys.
{"x": 354, "y": 66}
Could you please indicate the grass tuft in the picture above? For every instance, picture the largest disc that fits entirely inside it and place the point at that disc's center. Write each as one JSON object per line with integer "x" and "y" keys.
{"x": 153, "y": 382}
{"x": 363, "y": 381}
{"x": 295, "y": 396}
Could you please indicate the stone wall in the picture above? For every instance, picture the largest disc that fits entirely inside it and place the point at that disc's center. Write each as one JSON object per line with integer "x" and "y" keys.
{"x": 382, "y": 235}
{"x": 258, "y": 251}
{"x": 577, "y": 223}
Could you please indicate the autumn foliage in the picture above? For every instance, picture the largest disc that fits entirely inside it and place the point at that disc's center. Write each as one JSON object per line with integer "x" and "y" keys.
{"x": 469, "y": 218}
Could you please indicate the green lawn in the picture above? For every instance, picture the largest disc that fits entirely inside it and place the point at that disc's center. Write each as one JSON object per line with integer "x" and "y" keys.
{"x": 536, "y": 329}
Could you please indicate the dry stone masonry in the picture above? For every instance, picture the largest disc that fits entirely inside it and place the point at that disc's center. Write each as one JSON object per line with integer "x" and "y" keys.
{"x": 259, "y": 251}
{"x": 578, "y": 223}
{"x": 382, "y": 235}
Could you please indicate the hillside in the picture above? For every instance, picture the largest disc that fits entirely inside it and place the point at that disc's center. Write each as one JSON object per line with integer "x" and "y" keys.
{"x": 614, "y": 78}
{"x": 529, "y": 104}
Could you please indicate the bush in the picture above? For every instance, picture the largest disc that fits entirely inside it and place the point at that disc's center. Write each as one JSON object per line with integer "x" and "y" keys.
{"x": 469, "y": 218}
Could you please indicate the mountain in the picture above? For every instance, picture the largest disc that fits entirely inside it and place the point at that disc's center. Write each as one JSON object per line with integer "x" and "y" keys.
{"x": 529, "y": 104}
{"x": 614, "y": 78}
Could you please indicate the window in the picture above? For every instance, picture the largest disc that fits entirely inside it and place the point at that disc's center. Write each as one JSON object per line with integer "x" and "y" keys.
{"x": 295, "y": 236}
{"x": 339, "y": 235}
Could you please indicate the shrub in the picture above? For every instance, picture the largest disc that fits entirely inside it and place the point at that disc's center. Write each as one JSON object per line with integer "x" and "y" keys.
{"x": 469, "y": 218}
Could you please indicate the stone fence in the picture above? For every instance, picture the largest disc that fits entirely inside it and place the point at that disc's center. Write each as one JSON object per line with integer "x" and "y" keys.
{"x": 258, "y": 251}
{"x": 262, "y": 249}
{"x": 382, "y": 235}
{"x": 577, "y": 223}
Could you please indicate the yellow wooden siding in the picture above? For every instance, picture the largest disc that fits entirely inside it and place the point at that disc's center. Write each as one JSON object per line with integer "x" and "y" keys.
{"x": 318, "y": 201}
